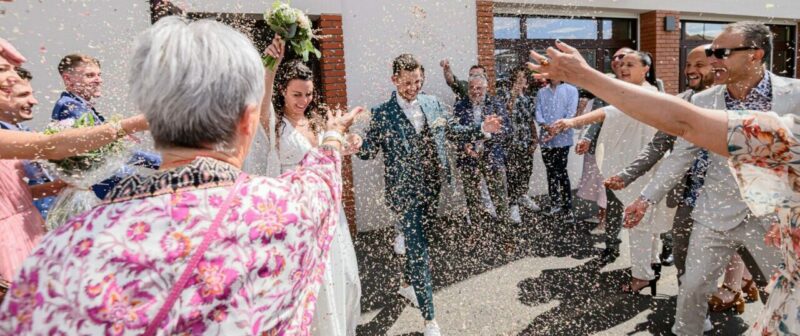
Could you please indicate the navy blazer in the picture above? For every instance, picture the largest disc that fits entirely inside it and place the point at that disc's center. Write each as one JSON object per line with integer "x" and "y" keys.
{"x": 389, "y": 131}
{"x": 494, "y": 151}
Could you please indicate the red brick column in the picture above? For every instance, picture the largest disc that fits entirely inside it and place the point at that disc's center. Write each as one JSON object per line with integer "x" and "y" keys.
{"x": 334, "y": 94}
{"x": 665, "y": 46}
{"x": 485, "y": 20}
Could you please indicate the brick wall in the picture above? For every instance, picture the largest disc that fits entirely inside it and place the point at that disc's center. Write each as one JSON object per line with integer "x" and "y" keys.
{"x": 485, "y": 20}
{"x": 664, "y": 45}
{"x": 334, "y": 94}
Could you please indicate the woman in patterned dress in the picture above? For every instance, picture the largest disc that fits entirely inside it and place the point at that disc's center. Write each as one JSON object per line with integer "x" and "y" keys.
{"x": 199, "y": 247}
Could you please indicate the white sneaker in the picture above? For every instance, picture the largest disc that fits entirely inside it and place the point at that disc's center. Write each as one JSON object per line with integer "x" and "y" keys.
{"x": 400, "y": 244}
{"x": 407, "y": 292}
{"x": 514, "y": 214}
{"x": 707, "y": 326}
{"x": 528, "y": 203}
{"x": 432, "y": 328}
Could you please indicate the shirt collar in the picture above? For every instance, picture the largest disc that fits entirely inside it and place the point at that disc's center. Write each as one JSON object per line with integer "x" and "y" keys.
{"x": 407, "y": 105}
{"x": 761, "y": 93}
{"x": 201, "y": 173}
{"x": 13, "y": 127}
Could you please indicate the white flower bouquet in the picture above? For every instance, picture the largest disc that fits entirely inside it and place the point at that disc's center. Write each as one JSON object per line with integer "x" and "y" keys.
{"x": 294, "y": 27}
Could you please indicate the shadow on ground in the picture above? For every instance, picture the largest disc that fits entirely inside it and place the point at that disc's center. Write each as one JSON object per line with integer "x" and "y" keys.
{"x": 590, "y": 300}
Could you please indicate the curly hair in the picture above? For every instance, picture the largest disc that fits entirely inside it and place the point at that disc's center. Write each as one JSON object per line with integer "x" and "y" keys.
{"x": 288, "y": 72}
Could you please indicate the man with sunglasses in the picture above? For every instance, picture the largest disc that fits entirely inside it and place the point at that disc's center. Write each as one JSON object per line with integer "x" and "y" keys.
{"x": 722, "y": 222}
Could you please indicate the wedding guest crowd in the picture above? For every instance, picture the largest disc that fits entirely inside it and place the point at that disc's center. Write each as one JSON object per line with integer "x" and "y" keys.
{"x": 200, "y": 246}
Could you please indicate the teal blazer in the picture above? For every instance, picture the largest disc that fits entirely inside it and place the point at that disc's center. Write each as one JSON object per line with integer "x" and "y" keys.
{"x": 389, "y": 131}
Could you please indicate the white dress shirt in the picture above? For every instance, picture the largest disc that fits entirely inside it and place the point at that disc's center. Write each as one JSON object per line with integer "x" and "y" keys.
{"x": 413, "y": 112}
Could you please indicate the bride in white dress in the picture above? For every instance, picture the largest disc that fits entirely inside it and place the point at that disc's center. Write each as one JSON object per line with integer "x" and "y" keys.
{"x": 291, "y": 131}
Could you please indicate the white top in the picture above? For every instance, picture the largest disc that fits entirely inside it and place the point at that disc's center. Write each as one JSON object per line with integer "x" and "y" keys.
{"x": 413, "y": 112}
{"x": 293, "y": 147}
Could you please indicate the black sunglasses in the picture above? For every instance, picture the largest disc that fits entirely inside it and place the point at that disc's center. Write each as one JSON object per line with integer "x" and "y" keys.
{"x": 723, "y": 53}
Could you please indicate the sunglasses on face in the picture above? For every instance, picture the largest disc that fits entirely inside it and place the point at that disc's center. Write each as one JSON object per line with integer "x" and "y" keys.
{"x": 724, "y": 53}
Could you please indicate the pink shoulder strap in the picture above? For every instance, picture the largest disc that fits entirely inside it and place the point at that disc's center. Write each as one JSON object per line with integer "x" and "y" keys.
{"x": 208, "y": 237}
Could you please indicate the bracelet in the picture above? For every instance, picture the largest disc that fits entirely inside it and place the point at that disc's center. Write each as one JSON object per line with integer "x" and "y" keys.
{"x": 335, "y": 136}
{"x": 119, "y": 132}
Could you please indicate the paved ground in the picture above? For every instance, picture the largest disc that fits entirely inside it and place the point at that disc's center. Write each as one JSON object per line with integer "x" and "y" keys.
{"x": 550, "y": 285}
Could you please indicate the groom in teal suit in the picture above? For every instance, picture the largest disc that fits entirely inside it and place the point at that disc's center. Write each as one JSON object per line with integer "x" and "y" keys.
{"x": 411, "y": 129}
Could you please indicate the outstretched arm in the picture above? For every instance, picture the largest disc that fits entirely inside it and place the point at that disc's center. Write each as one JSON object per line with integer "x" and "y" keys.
{"x": 32, "y": 146}
{"x": 703, "y": 127}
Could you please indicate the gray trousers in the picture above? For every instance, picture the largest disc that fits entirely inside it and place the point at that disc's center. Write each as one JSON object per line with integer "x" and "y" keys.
{"x": 709, "y": 252}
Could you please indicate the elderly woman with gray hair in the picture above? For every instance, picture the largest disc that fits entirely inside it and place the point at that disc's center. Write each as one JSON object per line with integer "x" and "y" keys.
{"x": 199, "y": 247}
{"x": 763, "y": 150}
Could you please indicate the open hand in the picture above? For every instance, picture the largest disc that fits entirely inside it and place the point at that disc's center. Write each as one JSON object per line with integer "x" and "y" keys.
{"x": 564, "y": 63}
{"x": 445, "y": 63}
{"x": 635, "y": 212}
{"x": 353, "y": 144}
{"x": 341, "y": 121}
{"x": 773, "y": 236}
{"x": 614, "y": 183}
{"x": 557, "y": 127}
{"x": 492, "y": 124}
{"x": 583, "y": 147}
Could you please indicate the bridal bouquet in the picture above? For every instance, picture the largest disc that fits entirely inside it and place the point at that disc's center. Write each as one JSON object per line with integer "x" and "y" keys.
{"x": 294, "y": 27}
{"x": 82, "y": 171}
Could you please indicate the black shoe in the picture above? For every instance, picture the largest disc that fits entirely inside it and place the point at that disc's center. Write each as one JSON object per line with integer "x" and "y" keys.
{"x": 669, "y": 260}
{"x": 609, "y": 255}
{"x": 657, "y": 270}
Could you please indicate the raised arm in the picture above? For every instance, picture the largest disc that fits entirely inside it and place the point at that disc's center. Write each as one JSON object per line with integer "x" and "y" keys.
{"x": 32, "y": 146}
{"x": 449, "y": 78}
{"x": 703, "y": 127}
{"x": 276, "y": 50}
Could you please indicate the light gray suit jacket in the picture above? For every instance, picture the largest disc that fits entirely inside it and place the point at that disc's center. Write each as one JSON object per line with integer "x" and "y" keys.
{"x": 720, "y": 206}
{"x": 652, "y": 154}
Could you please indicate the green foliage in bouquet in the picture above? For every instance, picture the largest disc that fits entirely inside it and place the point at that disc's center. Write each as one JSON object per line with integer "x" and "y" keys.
{"x": 294, "y": 27}
{"x": 74, "y": 165}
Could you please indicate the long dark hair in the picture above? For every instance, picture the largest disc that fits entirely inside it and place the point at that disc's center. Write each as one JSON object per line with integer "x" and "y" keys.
{"x": 289, "y": 71}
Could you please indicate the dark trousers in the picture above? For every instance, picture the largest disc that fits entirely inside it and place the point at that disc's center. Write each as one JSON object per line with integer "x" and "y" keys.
{"x": 615, "y": 211}
{"x": 558, "y": 187}
{"x": 681, "y": 231}
{"x": 495, "y": 178}
{"x": 519, "y": 169}
{"x": 414, "y": 217}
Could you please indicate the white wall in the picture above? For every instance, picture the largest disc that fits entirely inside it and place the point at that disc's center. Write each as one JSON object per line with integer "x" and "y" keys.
{"x": 257, "y": 6}
{"x": 45, "y": 31}
{"x": 377, "y": 31}
{"x": 781, "y": 9}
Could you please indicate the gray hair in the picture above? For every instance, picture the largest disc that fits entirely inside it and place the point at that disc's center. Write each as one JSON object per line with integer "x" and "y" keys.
{"x": 193, "y": 82}
{"x": 480, "y": 77}
{"x": 755, "y": 34}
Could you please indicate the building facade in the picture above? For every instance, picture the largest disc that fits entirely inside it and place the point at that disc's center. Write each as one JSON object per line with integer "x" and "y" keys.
{"x": 360, "y": 38}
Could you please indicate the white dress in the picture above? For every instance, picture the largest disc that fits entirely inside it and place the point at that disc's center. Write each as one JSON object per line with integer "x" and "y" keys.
{"x": 619, "y": 143}
{"x": 338, "y": 304}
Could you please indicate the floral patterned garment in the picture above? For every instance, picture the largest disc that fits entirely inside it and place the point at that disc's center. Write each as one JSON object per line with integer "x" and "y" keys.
{"x": 765, "y": 157}
{"x": 109, "y": 270}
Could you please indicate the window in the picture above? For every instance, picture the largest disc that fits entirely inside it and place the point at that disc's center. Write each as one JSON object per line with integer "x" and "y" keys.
{"x": 596, "y": 38}
{"x": 506, "y": 28}
{"x": 559, "y": 28}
